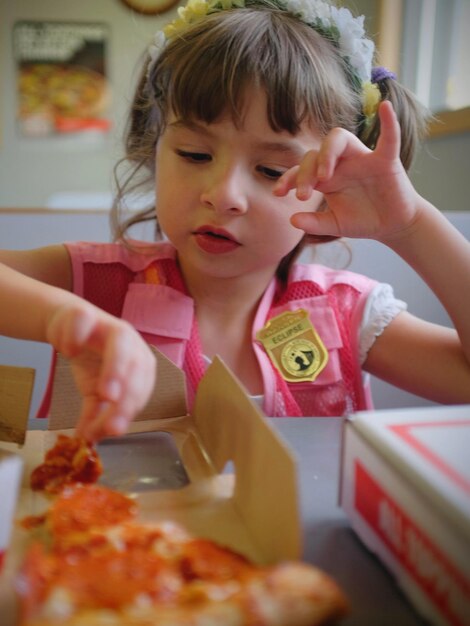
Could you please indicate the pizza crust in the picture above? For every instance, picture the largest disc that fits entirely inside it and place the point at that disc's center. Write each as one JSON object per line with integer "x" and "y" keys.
{"x": 265, "y": 601}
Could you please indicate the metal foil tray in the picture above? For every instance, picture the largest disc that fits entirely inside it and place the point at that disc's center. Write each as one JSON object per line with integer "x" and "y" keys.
{"x": 142, "y": 462}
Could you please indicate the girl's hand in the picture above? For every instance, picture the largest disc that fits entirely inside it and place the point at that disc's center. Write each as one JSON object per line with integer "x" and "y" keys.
{"x": 367, "y": 193}
{"x": 113, "y": 367}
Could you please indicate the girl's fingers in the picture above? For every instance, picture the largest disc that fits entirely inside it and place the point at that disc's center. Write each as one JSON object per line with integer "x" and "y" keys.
{"x": 117, "y": 347}
{"x": 320, "y": 223}
{"x": 307, "y": 175}
{"x": 389, "y": 141}
{"x": 101, "y": 419}
{"x": 338, "y": 144}
{"x": 286, "y": 182}
{"x": 128, "y": 368}
{"x": 137, "y": 381}
{"x": 301, "y": 177}
{"x": 318, "y": 166}
{"x": 89, "y": 424}
{"x": 123, "y": 389}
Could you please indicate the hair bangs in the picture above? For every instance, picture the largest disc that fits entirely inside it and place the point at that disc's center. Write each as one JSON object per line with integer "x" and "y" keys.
{"x": 207, "y": 72}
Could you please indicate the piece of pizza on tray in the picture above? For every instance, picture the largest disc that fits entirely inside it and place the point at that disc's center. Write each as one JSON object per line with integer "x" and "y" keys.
{"x": 101, "y": 567}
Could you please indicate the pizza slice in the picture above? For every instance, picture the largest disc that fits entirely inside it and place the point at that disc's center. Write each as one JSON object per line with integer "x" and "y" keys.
{"x": 103, "y": 567}
{"x": 70, "y": 460}
{"x": 100, "y": 566}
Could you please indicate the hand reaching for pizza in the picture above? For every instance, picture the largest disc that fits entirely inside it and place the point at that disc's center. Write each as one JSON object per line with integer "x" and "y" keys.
{"x": 113, "y": 367}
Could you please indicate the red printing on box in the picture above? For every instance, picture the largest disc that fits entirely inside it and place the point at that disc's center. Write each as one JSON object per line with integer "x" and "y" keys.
{"x": 404, "y": 431}
{"x": 445, "y": 586}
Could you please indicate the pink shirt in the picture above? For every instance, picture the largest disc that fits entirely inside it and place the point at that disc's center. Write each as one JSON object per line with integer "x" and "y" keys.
{"x": 144, "y": 286}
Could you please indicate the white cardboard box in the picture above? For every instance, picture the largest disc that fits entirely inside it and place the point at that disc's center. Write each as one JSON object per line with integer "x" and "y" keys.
{"x": 11, "y": 466}
{"x": 406, "y": 488}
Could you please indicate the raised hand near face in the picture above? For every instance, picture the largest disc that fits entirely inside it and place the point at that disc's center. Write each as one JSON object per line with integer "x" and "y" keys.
{"x": 367, "y": 192}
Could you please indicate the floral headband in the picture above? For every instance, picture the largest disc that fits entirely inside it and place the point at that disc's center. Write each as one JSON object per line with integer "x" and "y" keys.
{"x": 336, "y": 24}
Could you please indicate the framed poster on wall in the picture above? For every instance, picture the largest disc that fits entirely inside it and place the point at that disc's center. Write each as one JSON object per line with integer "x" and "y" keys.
{"x": 62, "y": 86}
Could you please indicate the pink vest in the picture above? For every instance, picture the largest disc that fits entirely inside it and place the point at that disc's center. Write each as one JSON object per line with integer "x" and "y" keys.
{"x": 146, "y": 288}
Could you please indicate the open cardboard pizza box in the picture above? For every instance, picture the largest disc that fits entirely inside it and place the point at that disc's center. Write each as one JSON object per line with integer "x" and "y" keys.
{"x": 221, "y": 471}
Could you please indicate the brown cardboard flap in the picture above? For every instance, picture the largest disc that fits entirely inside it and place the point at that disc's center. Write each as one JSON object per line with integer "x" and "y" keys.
{"x": 232, "y": 428}
{"x": 16, "y": 388}
{"x": 168, "y": 398}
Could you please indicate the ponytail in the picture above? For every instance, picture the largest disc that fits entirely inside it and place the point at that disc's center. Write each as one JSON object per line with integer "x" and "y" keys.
{"x": 412, "y": 116}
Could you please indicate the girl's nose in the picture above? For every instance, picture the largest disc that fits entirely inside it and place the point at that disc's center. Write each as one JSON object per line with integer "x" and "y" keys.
{"x": 225, "y": 190}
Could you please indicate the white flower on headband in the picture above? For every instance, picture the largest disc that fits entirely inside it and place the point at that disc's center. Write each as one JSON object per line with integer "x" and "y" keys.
{"x": 340, "y": 26}
{"x": 310, "y": 11}
{"x": 352, "y": 42}
{"x": 155, "y": 49}
{"x": 337, "y": 24}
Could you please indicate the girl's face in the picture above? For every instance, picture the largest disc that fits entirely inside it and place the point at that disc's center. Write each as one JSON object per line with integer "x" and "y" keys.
{"x": 214, "y": 185}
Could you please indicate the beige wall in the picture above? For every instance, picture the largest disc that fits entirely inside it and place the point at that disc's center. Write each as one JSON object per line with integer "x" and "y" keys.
{"x": 32, "y": 170}
{"x": 441, "y": 172}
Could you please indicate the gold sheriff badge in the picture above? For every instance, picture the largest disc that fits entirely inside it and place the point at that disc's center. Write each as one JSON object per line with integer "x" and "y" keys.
{"x": 294, "y": 346}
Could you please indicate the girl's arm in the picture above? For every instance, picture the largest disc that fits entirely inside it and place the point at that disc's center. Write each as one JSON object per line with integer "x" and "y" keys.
{"x": 440, "y": 254}
{"x": 113, "y": 367}
{"x": 25, "y": 297}
{"x": 425, "y": 358}
{"x": 422, "y": 358}
{"x": 368, "y": 194}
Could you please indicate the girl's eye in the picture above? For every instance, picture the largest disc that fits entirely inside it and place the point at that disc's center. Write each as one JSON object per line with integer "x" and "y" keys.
{"x": 269, "y": 172}
{"x": 195, "y": 157}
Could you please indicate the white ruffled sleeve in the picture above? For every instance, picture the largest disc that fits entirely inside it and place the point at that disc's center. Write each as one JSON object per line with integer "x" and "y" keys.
{"x": 380, "y": 309}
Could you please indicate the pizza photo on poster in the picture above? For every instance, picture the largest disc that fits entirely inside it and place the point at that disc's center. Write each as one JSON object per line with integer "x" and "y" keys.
{"x": 62, "y": 88}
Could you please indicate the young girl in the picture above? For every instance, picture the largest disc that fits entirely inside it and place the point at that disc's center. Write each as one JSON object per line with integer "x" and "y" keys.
{"x": 258, "y": 125}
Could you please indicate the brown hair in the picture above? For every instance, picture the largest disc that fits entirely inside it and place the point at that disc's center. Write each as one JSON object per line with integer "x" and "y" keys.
{"x": 205, "y": 72}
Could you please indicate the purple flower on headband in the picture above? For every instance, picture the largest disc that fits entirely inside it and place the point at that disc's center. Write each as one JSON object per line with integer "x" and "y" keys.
{"x": 379, "y": 73}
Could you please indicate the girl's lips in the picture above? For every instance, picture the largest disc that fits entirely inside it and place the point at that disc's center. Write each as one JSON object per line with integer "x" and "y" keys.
{"x": 215, "y": 240}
